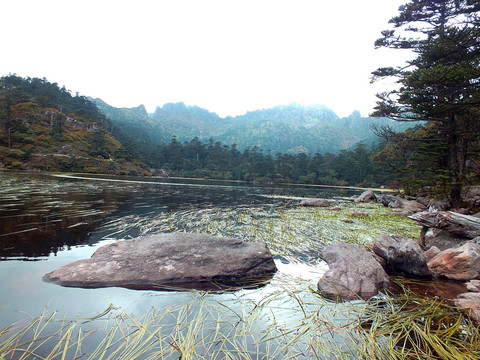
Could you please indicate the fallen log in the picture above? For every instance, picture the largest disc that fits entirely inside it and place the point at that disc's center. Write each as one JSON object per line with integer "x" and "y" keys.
{"x": 458, "y": 225}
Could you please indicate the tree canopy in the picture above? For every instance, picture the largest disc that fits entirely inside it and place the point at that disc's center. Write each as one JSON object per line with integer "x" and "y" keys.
{"x": 441, "y": 86}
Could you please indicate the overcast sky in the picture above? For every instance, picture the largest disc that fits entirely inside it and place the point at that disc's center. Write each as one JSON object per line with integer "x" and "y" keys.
{"x": 226, "y": 56}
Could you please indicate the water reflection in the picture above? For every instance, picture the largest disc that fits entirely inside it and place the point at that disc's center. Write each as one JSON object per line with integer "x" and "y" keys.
{"x": 42, "y": 214}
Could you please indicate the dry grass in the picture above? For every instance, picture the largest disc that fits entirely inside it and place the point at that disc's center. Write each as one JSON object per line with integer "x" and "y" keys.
{"x": 279, "y": 324}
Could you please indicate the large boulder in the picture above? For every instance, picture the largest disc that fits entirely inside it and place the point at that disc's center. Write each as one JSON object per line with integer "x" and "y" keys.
{"x": 170, "y": 260}
{"x": 353, "y": 273}
{"x": 402, "y": 255}
{"x": 461, "y": 263}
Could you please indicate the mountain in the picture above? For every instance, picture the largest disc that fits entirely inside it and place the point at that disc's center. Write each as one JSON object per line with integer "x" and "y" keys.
{"x": 187, "y": 122}
{"x": 43, "y": 127}
{"x": 292, "y": 128}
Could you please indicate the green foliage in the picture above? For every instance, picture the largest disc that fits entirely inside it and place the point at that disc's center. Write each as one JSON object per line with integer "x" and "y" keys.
{"x": 441, "y": 86}
{"x": 44, "y": 127}
{"x": 217, "y": 161}
{"x": 288, "y": 129}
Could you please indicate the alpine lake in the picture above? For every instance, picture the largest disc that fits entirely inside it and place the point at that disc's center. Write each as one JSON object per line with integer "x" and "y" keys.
{"x": 49, "y": 220}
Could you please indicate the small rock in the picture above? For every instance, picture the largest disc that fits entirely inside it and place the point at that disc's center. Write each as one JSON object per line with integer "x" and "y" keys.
{"x": 470, "y": 303}
{"x": 315, "y": 202}
{"x": 367, "y": 196}
{"x": 348, "y": 221}
{"x": 358, "y": 214}
{"x": 473, "y": 285}
{"x": 387, "y": 199}
{"x": 461, "y": 263}
{"x": 353, "y": 273}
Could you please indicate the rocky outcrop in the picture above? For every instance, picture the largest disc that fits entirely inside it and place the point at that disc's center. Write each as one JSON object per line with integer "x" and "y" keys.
{"x": 315, "y": 202}
{"x": 402, "y": 255}
{"x": 353, "y": 273}
{"x": 461, "y": 263}
{"x": 170, "y": 260}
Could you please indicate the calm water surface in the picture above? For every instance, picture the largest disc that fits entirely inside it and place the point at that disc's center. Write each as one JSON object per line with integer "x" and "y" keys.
{"x": 48, "y": 220}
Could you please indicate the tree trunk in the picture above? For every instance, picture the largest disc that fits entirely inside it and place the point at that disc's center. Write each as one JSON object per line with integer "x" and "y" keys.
{"x": 453, "y": 165}
{"x": 458, "y": 225}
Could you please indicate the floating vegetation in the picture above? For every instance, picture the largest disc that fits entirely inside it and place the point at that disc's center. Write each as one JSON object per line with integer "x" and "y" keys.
{"x": 410, "y": 326}
{"x": 283, "y": 323}
{"x": 287, "y": 229}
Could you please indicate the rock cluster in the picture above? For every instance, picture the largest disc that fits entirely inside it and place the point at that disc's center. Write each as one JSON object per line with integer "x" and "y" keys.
{"x": 451, "y": 250}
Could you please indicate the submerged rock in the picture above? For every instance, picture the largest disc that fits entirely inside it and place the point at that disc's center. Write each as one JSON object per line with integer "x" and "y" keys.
{"x": 402, "y": 254}
{"x": 183, "y": 260}
{"x": 353, "y": 273}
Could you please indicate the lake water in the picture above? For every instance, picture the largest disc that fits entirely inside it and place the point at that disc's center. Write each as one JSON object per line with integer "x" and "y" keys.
{"x": 48, "y": 220}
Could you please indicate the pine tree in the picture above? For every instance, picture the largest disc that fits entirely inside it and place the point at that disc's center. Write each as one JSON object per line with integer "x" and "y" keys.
{"x": 442, "y": 84}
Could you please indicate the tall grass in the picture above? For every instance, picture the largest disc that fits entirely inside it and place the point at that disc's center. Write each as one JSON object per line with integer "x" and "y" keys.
{"x": 278, "y": 324}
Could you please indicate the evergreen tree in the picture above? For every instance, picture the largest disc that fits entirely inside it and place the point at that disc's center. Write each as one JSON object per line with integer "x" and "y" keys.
{"x": 442, "y": 84}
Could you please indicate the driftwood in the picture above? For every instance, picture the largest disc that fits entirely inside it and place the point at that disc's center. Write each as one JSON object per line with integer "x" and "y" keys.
{"x": 459, "y": 225}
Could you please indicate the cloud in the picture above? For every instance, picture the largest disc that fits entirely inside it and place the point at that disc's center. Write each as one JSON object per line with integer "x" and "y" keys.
{"x": 226, "y": 56}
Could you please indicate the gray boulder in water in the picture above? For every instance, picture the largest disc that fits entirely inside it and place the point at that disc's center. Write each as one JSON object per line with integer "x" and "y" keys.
{"x": 156, "y": 262}
{"x": 353, "y": 273}
{"x": 402, "y": 254}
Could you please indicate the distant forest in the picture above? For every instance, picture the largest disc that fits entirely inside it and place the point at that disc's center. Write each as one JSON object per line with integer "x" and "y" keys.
{"x": 218, "y": 161}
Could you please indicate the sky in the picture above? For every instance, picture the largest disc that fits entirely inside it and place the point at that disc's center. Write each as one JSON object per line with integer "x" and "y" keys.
{"x": 228, "y": 57}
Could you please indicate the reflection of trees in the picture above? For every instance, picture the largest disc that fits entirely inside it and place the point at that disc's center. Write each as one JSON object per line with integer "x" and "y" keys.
{"x": 42, "y": 216}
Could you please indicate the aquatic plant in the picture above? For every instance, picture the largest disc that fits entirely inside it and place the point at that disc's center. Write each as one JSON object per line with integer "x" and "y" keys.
{"x": 284, "y": 323}
{"x": 287, "y": 229}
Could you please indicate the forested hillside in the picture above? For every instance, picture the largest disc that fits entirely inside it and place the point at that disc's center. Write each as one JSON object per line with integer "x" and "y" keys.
{"x": 44, "y": 127}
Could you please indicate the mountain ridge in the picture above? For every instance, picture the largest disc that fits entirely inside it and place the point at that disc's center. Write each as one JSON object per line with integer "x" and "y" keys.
{"x": 289, "y": 128}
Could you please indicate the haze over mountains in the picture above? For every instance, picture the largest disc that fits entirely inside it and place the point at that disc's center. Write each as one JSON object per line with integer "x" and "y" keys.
{"x": 292, "y": 128}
